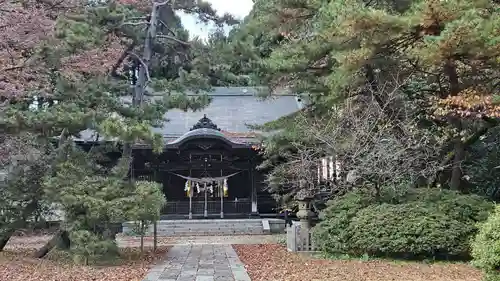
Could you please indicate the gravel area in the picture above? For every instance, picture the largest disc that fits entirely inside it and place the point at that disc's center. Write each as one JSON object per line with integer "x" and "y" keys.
{"x": 275, "y": 263}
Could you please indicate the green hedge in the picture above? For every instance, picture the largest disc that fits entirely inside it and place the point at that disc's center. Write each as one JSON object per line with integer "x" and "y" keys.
{"x": 486, "y": 247}
{"x": 422, "y": 223}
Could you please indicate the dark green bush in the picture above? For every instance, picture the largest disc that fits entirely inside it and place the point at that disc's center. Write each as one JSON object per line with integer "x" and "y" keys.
{"x": 330, "y": 234}
{"x": 486, "y": 247}
{"x": 408, "y": 231}
{"x": 422, "y": 223}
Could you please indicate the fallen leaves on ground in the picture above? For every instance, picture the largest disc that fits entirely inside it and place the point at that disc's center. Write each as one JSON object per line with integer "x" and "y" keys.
{"x": 275, "y": 263}
{"x": 131, "y": 266}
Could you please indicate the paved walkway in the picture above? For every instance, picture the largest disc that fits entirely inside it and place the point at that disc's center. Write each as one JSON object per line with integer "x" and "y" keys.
{"x": 199, "y": 263}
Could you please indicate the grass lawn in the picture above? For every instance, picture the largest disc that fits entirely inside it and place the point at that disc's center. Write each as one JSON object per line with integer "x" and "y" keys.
{"x": 275, "y": 263}
{"x": 17, "y": 265}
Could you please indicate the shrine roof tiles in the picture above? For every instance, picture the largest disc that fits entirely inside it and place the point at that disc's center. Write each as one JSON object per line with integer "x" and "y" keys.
{"x": 232, "y": 109}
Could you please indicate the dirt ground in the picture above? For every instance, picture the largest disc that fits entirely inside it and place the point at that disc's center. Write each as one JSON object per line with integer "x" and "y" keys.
{"x": 17, "y": 265}
{"x": 264, "y": 260}
{"x": 36, "y": 241}
{"x": 275, "y": 263}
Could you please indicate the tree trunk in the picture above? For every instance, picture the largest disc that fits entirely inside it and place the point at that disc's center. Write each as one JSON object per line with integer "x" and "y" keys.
{"x": 12, "y": 227}
{"x": 61, "y": 237}
{"x": 451, "y": 72}
{"x": 155, "y": 236}
{"x": 143, "y": 230}
{"x": 468, "y": 142}
{"x": 143, "y": 77}
{"x": 6, "y": 234}
{"x": 456, "y": 169}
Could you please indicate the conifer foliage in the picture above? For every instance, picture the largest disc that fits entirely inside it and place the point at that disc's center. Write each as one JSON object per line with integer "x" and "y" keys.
{"x": 432, "y": 62}
{"x": 99, "y": 71}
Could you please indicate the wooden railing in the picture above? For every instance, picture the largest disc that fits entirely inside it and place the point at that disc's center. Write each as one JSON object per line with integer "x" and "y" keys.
{"x": 213, "y": 207}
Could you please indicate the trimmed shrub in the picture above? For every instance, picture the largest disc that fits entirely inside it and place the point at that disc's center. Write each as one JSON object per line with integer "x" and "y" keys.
{"x": 330, "y": 234}
{"x": 422, "y": 223}
{"x": 486, "y": 247}
{"x": 408, "y": 231}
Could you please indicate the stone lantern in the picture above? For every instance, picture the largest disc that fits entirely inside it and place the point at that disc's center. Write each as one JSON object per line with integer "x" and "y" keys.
{"x": 304, "y": 214}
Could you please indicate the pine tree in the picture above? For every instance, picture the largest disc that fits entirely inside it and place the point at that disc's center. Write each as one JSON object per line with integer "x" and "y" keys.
{"x": 440, "y": 56}
{"x": 21, "y": 183}
{"x": 111, "y": 67}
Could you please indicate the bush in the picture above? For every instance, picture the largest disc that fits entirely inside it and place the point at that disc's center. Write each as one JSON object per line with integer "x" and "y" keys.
{"x": 408, "y": 231}
{"x": 422, "y": 223}
{"x": 87, "y": 247}
{"x": 330, "y": 234}
{"x": 486, "y": 247}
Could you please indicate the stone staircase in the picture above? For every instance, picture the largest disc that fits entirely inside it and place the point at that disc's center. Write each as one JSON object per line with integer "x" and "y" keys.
{"x": 208, "y": 227}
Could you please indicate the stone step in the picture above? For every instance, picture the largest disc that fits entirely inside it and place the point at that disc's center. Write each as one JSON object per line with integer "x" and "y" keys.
{"x": 203, "y": 227}
{"x": 203, "y": 233}
{"x": 210, "y": 221}
{"x": 213, "y": 232}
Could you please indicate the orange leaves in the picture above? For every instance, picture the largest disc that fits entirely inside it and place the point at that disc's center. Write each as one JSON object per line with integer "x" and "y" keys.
{"x": 273, "y": 262}
{"x": 95, "y": 61}
{"x": 130, "y": 266}
{"x": 470, "y": 103}
{"x": 28, "y": 25}
{"x": 22, "y": 27}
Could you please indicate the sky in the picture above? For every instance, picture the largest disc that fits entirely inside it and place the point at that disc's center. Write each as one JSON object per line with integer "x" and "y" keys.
{"x": 238, "y": 8}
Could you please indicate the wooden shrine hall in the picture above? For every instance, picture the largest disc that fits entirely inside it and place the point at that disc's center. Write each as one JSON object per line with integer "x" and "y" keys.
{"x": 208, "y": 168}
{"x": 205, "y": 174}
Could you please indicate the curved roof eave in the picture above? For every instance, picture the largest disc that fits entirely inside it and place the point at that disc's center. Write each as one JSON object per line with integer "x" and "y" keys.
{"x": 207, "y": 134}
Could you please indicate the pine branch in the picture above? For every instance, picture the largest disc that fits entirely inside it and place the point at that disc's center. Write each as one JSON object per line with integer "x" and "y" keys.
{"x": 161, "y": 3}
{"x": 167, "y": 27}
{"x": 173, "y": 39}
{"x": 134, "y": 23}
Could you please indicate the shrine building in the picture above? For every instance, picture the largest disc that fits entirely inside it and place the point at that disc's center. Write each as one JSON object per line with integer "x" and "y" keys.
{"x": 208, "y": 168}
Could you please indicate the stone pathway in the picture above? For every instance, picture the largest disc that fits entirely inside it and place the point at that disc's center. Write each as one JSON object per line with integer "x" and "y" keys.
{"x": 200, "y": 263}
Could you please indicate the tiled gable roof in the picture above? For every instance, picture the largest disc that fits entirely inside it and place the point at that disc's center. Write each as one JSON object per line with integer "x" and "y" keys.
{"x": 232, "y": 109}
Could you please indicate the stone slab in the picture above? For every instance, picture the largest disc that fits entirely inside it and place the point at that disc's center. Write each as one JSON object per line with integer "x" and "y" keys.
{"x": 194, "y": 262}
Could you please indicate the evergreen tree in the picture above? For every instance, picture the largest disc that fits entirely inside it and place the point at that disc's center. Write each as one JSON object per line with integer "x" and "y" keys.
{"x": 21, "y": 183}
{"x": 114, "y": 68}
{"x": 440, "y": 56}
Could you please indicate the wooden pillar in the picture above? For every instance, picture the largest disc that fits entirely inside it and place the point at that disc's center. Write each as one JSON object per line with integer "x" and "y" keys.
{"x": 221, "y": 192}
{"x": 205, "y": 212}
{"x": 190, "y": 201}
{"x": 132, "y": 174}
{"x": 221, "y": 188}
{"x": 253, "y": 194}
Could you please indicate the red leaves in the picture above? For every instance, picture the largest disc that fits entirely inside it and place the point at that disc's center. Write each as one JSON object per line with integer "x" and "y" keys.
{"x": 273, "y": 262}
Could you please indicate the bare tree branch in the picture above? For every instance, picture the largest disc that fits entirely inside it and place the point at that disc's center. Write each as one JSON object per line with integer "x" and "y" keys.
{"x": 363, "y": 140}
{"x": 148, "y": 77}
{"x": 126, "y": 52}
